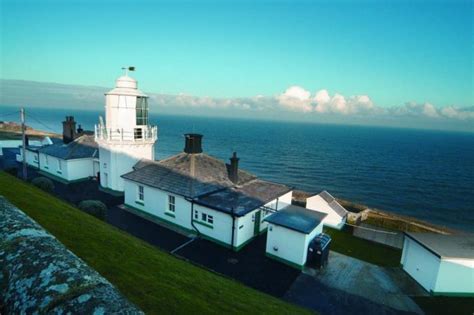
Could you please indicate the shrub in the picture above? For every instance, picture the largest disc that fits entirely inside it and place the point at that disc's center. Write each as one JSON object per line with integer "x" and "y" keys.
{"x": 43, "y": 183}
{"x": 94, "y": 207}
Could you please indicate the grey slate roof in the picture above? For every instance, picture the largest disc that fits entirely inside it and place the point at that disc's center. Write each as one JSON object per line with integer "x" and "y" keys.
{"x": 333, "y": 203}
{"x": 206, "y": 179}
{"x": 297, "y": 218}
{"x": 241, "y": 200}
{"x": 446, "y": 246}
{"x": 82, "y": 147}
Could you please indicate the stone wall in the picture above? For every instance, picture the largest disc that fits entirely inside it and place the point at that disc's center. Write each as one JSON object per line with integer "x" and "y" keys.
{"x": 39, "y": 275}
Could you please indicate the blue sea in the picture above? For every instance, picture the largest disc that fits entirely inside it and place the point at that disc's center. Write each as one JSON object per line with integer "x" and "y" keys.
{"x": 424, "y": 174}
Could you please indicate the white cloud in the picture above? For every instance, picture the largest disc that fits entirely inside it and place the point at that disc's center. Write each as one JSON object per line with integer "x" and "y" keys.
{"x": 457, "y": 113}
{"x": 296, "y": 98}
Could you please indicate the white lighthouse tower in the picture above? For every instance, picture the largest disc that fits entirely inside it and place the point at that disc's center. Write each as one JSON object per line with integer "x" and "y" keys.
{"x": 126, "y": 136}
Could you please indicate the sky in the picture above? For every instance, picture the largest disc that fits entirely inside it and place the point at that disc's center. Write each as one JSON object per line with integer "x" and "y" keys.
{"x": 372, "y": 59}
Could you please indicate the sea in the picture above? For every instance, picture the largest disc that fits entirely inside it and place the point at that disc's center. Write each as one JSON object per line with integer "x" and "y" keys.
{"x": 425, "y": 174}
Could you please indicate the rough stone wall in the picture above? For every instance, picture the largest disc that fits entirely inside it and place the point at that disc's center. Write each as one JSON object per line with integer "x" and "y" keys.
{"x": 38, "y": 275}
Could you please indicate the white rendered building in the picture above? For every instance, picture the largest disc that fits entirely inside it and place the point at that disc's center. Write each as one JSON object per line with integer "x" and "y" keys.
{"x": 442, "y": 264}
{"x": 73, "y": 158}
{"x": 203, "y": 195}
{"x": 290, "y": 232}
{"x": 324, "y": 202}
{"x": 125, "y": 137}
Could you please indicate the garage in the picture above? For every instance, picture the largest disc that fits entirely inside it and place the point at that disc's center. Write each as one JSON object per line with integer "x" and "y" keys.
{"x": 291, "y": 232}
{"x": 441, "y": 264}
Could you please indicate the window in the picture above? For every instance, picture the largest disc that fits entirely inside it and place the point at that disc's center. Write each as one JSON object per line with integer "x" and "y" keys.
{"x": 207, "y": 218}
{"x": 142, "y": 111}
{"x": 196, "y": 214}
{"x": 138, "y": 133}
{"x": 141, "y": 193}
{"x": 171, "y": 203}
{"x": 60, "y": 167}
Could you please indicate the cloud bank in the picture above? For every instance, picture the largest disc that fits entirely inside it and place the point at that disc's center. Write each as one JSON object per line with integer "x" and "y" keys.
{"x": 295, "y": 102}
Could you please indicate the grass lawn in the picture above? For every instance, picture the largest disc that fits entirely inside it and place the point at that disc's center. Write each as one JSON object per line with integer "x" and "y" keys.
{"x": 378, "y": 254}
{"x": 154, "y": 280}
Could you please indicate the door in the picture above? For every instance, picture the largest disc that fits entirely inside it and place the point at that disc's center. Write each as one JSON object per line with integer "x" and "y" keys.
{"x": 256, "y": 230}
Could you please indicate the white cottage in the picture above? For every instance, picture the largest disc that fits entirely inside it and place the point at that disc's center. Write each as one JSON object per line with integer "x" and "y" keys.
{"x": 73, "y": 158}
{"x": 126, "y": 135}
{"x": 442, "y": 264}
{"x": 324, "y": 202}
{"x": 204, "y": 195}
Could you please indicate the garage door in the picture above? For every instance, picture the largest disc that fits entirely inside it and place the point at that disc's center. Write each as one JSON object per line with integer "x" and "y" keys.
{"x": 421, "y": 264}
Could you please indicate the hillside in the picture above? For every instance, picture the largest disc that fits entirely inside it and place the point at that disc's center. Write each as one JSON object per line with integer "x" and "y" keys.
{"x": 154, "y": 280}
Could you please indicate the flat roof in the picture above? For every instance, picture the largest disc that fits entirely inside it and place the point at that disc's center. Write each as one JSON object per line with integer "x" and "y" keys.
{"x": 446, "y": 246}
{"x": 297, "y": 218}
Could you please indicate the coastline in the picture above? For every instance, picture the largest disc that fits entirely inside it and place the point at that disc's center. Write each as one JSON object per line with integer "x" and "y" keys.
{"x": 359, "y": 213}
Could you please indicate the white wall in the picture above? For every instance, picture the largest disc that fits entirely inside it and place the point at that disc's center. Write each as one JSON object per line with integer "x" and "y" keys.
{"x": 333, "y": 219}
{"x": 52, "y": 166}
{"x": 286, "y": 244}
{"x": 455, "y": 275}
{"x": 30, "y": 158}
{"x": 119, "y": 159}
{"x": 420, "y": 263}
{"x": 80, "y": 168}
{"x": 221, "y": 229}
{"x": 156, "y": 203}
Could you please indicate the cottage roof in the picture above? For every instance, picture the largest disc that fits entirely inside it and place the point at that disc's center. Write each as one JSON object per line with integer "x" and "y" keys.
{"x": 189, "y": 175}
{"x": 82, "y": 147}
{"x": 297, "y": 218}
{"x": 332, "y": 202}
{"x": 446, "y": 246}
{"x": 243, "y": 199}
{"x": 206, "y": 179}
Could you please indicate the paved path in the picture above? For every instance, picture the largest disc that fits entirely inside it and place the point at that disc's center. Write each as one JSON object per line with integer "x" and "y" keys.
{"x": 349, "y": 285}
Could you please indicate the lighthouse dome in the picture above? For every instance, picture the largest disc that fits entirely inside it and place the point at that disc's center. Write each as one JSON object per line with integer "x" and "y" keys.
{"x": 126, "y": 82}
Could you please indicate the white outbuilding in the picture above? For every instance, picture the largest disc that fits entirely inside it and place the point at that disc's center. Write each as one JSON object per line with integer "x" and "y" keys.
{"x": 290, "y": 232}
{"x": 324, "y": 202}
{"x": 442, "y": 264}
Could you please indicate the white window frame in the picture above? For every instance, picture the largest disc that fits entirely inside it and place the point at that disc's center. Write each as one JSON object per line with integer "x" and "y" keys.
{"x": 171, "y": 204}
{"x": 60, "y": 167}
{"x": 141, "y": 193}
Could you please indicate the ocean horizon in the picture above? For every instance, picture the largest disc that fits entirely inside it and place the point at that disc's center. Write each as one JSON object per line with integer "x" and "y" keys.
{"x": 425, "y": 174}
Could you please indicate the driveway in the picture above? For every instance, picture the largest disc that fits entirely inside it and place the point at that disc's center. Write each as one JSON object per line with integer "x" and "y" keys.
{"x": 349, "y": 285}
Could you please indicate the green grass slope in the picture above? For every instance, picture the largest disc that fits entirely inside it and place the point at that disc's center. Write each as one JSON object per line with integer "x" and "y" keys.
{"x": 154, "y": 280}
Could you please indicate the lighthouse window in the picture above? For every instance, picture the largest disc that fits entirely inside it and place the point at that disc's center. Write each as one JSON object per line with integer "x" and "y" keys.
{"x": 138, "y": 133}
{"x": 142, "y": 111}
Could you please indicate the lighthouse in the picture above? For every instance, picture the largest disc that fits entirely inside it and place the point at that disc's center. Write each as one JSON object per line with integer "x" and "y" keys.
{"x": 125, "y": 137}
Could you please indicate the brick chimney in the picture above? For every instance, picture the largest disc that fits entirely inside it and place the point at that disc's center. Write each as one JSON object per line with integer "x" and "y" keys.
{"x": 69, "y": 129}
{"x": 193, "y": 143}
{"x": 234, "y": 168}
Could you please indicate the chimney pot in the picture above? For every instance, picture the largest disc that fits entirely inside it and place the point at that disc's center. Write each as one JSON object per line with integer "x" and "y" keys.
{"x": 193, "y": 143}
{"x": 69, "y": 129}
{"x": 234, "y": 168}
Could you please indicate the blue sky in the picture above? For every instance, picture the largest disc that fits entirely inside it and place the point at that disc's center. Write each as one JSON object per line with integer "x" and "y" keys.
{"x": 394, "y": 52}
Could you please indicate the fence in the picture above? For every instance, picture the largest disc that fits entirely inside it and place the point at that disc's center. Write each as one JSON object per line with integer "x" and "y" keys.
{"x": 378, "y": 235}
